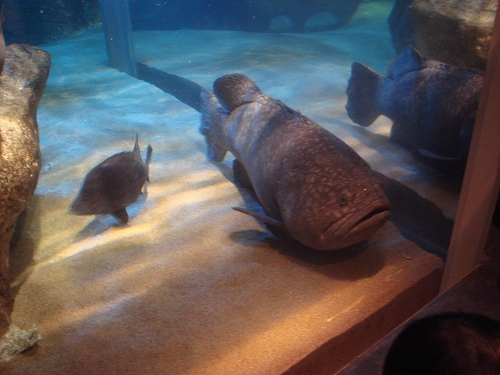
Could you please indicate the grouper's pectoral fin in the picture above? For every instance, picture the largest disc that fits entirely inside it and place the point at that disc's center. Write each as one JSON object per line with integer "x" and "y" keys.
{"x": 241, "y": 175}
{"x": 264, "y": 218}
{"x": 276, "y": 227}
{"x": 121, "y": 215}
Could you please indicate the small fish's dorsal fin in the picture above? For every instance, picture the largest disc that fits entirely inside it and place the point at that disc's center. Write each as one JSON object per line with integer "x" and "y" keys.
{"x": 408, "y": 61}
{"x": 137, "y": 150}
{"x": 236, "y": 89}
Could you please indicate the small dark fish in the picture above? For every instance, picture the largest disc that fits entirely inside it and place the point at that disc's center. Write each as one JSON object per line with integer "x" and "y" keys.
{"x": 114, "y": 184}
{"x": 432, "y": 105}
{"x": 2, "y": 41}
{"x": 312, "y": 186}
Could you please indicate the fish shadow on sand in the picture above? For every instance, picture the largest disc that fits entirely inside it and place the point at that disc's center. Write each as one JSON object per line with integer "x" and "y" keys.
{"x": 356, "y": 262}
{"x": 102, "y": 223}
{"x": 418, "y": 219}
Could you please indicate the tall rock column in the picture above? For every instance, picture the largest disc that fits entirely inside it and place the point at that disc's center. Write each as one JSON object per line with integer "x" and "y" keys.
{"x": 21, "y": 87}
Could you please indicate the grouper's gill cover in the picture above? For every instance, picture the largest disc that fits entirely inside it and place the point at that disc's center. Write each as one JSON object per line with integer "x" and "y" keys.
{"x": 312, "y": 186}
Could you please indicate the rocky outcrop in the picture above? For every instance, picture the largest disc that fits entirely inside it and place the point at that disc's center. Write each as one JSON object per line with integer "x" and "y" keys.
{"x": 21, "y": 86}
{"x": 456, "y": 32}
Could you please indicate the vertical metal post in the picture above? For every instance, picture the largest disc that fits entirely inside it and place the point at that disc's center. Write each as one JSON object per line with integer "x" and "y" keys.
{"x": 482, "y": 176}
{"x": 118, "y": 34}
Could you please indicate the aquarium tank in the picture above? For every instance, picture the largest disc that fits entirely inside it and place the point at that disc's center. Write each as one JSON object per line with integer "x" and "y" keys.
{"x": 232, "y": 187}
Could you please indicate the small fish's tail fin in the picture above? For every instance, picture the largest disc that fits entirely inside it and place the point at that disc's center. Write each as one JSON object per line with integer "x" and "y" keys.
{"x": 149, "y": 153}
{"x": 213, "y": 118}
{"x": 236, "y": 89}
{"x": 362, "y": 92}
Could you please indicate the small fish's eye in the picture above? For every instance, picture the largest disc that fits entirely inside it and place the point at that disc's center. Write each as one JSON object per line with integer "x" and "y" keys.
{"x": 342, "y": 200}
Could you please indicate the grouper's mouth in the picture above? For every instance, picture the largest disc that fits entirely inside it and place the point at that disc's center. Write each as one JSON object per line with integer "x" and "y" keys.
{"x": 358, "y": 226}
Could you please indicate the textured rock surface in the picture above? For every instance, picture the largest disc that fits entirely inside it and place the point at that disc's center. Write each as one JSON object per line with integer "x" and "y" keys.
{"x": 456, "y": 32}
{"x": 21, "y": 86}
{"x": 16, "y": 341}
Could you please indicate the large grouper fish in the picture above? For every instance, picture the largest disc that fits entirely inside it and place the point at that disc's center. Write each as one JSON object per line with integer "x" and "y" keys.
{"x": 432, "y": 105}
{"x": 114, "y": 184}
{"x": 312, "y": 186}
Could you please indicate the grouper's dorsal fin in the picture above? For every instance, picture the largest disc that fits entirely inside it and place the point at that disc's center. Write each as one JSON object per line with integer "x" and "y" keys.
{"x": 408, "y": 61}
{"x": 234, "y": 90}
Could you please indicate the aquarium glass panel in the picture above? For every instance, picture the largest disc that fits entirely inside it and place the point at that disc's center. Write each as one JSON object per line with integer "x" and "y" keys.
{"x": 228, "y": 187}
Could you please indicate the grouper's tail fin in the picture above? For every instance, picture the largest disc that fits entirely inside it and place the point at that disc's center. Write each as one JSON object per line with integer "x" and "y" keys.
{"x": 213, "y": 117}
{"x": 236, "y": 89}
{"x": 361, "y": 92}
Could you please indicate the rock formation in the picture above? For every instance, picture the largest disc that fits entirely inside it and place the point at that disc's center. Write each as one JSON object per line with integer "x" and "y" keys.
{"x": 455, "y": 32}
{"x": 21, "y": 86}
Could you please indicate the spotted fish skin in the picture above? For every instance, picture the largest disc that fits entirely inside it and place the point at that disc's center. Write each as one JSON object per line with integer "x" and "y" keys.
{"x": 311, "y": 184}
{"x": 114, "y": 184}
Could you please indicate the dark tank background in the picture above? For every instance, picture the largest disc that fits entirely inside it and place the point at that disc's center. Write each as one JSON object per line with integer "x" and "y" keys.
{"x": 190, "y": 286}
{"x": 246, "y": 15}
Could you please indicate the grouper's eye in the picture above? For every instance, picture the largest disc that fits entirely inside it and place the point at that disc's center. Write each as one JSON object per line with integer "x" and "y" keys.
{"x": 342, "y": 199}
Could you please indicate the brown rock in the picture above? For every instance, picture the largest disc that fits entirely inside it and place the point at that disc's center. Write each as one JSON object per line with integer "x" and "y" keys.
{"x": 456, "y": 32}
{"x": 21, "y": 86}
